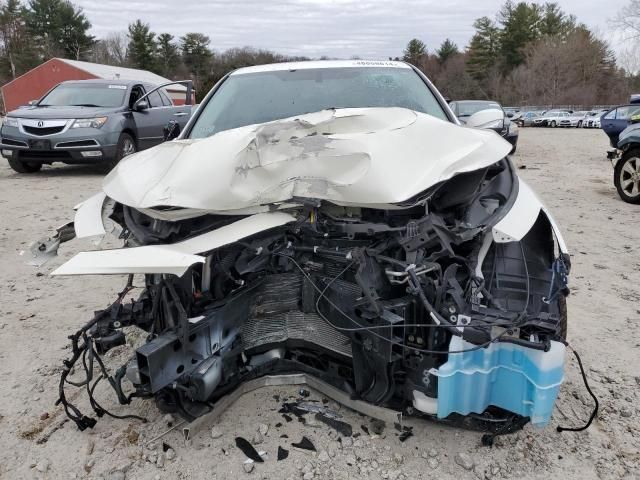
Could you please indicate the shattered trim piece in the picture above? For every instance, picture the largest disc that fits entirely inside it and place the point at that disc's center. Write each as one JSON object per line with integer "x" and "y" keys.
{"x": 173, "y": 259}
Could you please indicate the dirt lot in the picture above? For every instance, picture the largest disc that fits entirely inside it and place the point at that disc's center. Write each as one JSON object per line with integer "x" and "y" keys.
{"x": 37, "y": 312}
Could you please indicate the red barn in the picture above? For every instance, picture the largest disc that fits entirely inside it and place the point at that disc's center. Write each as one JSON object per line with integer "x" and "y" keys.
{"x": 38, "y": 81}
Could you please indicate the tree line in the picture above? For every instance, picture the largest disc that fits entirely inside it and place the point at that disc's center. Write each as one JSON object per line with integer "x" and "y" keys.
{"x": 529, "y": 54}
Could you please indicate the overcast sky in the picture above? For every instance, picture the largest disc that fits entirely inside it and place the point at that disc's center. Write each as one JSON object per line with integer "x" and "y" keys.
{"x": 336, "y": 28}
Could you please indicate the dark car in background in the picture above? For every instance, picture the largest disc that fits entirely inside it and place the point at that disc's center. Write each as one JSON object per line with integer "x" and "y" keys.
{"x": 525, "y": 119}
{"x": 616, "y": 120}
{"x": 507, "y": 129}
{"x": 90, "y": 121}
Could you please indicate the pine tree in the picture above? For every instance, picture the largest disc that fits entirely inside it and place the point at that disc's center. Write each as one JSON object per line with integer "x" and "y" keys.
{"x": 447, "y": 50}
{"x": 196, "y": 55}
{"x": 142, "y": 46}
{"x": 416, "y": 49}
{"x": 58, "y": 28}
{"x": 484, "y": 48}
{"x": 167, "y": 55}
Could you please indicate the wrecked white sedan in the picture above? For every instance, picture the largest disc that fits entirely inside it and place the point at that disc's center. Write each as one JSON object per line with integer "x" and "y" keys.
{"x": 330, "y": 223}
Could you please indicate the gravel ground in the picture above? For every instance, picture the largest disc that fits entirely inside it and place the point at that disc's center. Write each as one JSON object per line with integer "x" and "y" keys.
{"x": 567, "y": 168}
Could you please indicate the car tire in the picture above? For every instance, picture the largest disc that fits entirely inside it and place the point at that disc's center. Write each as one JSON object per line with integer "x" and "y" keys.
{"x": 126, "y": 146}
{"x": 579, "y": 124}
{"x": 24, "y": 167}
{"x": 626, "y": 176}
{"x": 552, "y": 124}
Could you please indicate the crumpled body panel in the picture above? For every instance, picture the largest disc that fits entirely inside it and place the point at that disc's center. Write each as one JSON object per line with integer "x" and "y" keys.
{"x": 371, "y": 156}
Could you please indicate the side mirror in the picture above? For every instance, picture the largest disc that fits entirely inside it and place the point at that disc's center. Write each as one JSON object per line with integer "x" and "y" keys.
{"x": 492, "y": 118}
{"x": 141, "y": 105}
{"x": 171, "y": 130}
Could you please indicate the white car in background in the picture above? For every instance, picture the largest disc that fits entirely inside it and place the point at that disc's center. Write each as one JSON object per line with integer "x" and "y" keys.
{"x": 592, "y": 119}
{"x": 574, "y": 120}
{"x": 552, "y": 118}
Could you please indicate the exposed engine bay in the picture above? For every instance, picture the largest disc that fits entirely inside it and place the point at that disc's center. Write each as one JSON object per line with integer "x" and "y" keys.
{"x": 443, "y": 305}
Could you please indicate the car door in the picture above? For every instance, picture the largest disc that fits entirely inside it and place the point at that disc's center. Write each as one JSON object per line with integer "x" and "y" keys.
{"x": 149, "y": 116}
{"x": 178, "y": 113}
{"x": 616, "y": 120}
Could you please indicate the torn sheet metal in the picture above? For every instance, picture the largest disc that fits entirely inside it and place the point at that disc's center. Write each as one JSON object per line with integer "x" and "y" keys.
{"x": 88, "y": 219}
{"x": 174, "y": 258}
{"x": 521, "y": 217}
{"x": 43, "y": 250}
{"x": 364, "y": 156}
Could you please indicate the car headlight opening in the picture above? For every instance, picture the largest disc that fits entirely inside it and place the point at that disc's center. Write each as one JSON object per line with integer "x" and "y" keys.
{"x": 10, "y": 122}
{"x": 96, "y": 122}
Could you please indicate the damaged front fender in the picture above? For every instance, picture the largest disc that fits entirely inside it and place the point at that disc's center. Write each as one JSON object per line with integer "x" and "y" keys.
{"x": 522, "y": 216}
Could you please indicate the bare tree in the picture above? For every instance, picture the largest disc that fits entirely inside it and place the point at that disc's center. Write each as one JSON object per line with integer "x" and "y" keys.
{"x": 628, "y": 20}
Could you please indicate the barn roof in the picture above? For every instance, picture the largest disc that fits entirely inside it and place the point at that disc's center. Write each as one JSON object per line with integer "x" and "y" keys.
{"x": 109, "y": 72}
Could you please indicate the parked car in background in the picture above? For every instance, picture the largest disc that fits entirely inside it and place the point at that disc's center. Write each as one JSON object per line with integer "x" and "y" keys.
{"x": 574, "y": 119}
{"x": 525, "y": 119}
{"x": 511, "y": 112}
{"x": 463, "y": 109}
{"x": 592, "y": 119}
{"x": 552, "y": 118}
{"x": 626, "y": 162}
{"x": 89, "y": 121}
{"x": 616, "y": 120}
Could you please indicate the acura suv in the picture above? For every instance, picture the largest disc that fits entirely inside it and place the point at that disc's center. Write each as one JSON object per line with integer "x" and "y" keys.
{"x": 89, "y": 121}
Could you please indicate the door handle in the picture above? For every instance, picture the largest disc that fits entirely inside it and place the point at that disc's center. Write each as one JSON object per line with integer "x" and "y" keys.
{"x": 180, "y": 114}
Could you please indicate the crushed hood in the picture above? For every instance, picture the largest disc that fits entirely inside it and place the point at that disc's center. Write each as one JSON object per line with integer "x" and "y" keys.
{"x": 370, "y": 156}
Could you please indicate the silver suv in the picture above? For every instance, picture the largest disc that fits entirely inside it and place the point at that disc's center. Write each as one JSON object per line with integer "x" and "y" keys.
{"x": 90, "y": 121}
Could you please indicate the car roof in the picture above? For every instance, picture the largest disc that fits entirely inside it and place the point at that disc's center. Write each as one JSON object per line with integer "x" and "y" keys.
{"x": 277, "y": 67}
{"x": 101, "y": 81}
{"x": 476, "y": 101}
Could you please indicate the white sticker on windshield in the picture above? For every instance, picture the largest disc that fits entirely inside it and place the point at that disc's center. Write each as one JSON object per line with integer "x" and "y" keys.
{"x": 119, "y": 87}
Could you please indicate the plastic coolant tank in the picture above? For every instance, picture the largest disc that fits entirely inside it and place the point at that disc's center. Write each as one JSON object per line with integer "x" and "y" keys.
{"x": 516, "y": 378}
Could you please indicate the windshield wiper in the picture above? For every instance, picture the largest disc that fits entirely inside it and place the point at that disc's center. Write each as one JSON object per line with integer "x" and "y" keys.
{"x": 85, "y": 105}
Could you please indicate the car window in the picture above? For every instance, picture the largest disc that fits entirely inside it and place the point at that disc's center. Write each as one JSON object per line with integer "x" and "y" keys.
{"x": 85, "y": 95}
{"x": 165, "y": 99}
{"x": 154, "y": 100}
{"x": 252, "y": 98}
{"x": 626, "y": 112}
{"x": 136, "y": 93}
{"x": 466, "y": 109}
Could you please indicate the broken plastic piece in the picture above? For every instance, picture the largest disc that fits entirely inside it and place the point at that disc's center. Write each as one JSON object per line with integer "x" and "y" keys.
{"x": 246, "y": 447}
{"x": 343, "y": 428}
{"x": 43, "y": 250}
{"x": 305, "y": 444}
{"x": 282, "y": 453}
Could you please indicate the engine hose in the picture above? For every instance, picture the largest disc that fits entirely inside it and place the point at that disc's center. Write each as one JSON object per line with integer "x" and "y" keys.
{"x": 415, "y": 285}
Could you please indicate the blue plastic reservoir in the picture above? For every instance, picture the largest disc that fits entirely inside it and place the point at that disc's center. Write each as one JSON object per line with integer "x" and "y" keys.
{"x": 518, "y": 379}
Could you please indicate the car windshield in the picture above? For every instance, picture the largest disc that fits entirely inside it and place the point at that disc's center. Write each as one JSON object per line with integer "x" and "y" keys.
{"x": 252, "y": 98}
{"x": 85, "y": 95}
{"x": 466, "y": 109}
